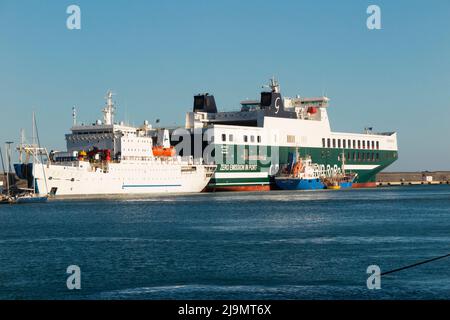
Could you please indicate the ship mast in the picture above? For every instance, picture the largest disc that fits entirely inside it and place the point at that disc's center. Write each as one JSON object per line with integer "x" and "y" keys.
{"x": 108, "y": 111}
{"x": 343, "y": 162}
{"x": 274, "y": 85}
{"x": 74, "y": 116}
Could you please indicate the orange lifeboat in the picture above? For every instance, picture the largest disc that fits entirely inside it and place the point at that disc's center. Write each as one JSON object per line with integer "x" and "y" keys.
{"x": 160, "y": 151}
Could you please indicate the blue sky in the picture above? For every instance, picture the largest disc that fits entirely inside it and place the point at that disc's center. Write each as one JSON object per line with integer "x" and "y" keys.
{"x": 157, "y": 54}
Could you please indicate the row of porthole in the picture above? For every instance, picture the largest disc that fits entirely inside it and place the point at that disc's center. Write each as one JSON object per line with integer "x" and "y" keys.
{"x": 350, "y": 144}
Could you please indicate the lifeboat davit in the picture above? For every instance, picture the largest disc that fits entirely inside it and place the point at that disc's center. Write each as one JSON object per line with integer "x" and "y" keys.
{"x": 159, "y": 151}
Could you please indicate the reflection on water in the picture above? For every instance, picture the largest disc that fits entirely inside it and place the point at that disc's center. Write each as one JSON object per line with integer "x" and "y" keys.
{"x": 268, "y": 245}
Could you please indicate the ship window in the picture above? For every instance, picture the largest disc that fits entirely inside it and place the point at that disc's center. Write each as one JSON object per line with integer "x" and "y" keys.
{"x": 348, "y": 155}
{"x": 334, "y": 143}
{"x": 378, "y": 145}
{"x": 329, "y": 143}
{"x": 368, "y": 156}
{"x": 373, "y": 145}
{"x": 245, "y": 138}
{"x": 230, "y": 137}
{"x": 378, "y": 156}
{"x": 345, "y": 143}
{"x": 224, "y": 137}
{"x": 259, "y": 139}
{"x": 323, "y": 142}
{"x": 359, "y": 145}
{"x": 339, "y": 143}
{"x": 349, "y": 143}
{"x": 373, "y": 156}
{"x": 290, "y": 138}
{"x": 354, "y": 144}
{"x": 364, "y": 144}
{"x": 359, "y": 156}
{"x": 368, "y": 144}
{"x": 252, "y": 138}
{"x": 354, "y": 155}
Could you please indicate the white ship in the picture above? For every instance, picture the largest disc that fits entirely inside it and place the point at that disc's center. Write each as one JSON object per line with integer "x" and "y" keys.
{"x": 107, "y": 158}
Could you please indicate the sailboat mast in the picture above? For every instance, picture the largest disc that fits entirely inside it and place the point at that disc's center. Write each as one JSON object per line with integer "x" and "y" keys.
{"x": 22, "y": 142}
{"x": 34, "y": 154}
{"x": 39, "y": 152}
{"x": 33, "y": 139}
{"x": 8, "y": 158}
{"x": 3, "y": 168}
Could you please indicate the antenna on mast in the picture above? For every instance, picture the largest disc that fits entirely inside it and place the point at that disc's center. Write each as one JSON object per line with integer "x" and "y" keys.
{"x": 274, "y": 85}
{"x": 74, "y": 116}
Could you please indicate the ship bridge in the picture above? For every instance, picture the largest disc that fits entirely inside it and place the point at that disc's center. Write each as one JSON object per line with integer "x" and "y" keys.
{"x": 120, "y": 139}
{"x": 253, "y": 112}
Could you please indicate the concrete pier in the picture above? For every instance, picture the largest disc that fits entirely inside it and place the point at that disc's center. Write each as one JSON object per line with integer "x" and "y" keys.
{"x": 413, "y": 178}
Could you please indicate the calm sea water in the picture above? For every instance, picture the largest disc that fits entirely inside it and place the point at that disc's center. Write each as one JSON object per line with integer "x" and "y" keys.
{"x": 271, "y": 245}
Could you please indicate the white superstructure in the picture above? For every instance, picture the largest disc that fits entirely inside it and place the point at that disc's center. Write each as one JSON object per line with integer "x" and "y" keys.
{"x": 107, "y": 158}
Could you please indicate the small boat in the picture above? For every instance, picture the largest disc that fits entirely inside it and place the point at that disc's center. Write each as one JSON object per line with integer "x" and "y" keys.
{"x": 346, "y": 181}
{"x": 27, "y": 196}
{"x": 332, "y": 184}
{"x": 339, "y": 181}
{"x": 22, "y": 198}
{"x": 301, "y": 174}
{"x": 4, "y": 199}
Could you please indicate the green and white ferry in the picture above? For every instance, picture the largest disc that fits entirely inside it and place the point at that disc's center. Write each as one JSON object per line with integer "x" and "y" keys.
{"x": 249, "y": 146}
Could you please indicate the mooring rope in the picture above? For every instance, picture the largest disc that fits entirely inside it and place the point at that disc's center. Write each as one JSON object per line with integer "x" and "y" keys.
{"x": 415, "y": 264}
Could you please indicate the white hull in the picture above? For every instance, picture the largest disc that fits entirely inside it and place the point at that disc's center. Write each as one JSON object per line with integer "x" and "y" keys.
{"x": 126, "y": 177}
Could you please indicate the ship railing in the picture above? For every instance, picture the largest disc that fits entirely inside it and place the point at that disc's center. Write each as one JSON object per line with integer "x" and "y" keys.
{"x": 189, "y": 160}
{"x": 378, "y": 133}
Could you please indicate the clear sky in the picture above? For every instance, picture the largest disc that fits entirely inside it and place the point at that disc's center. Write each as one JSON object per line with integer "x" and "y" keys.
{"x": 157, "y": 54}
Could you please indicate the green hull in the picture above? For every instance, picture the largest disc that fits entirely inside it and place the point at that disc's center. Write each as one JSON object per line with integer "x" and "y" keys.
{"x": 244, "y": 161}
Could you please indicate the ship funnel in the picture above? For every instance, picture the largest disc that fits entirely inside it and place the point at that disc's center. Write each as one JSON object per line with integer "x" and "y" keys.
{"x": 272, "y": 102}
{"x": 205, "y": 103}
